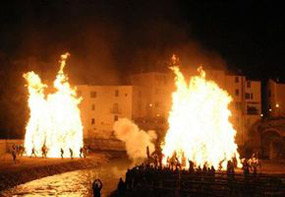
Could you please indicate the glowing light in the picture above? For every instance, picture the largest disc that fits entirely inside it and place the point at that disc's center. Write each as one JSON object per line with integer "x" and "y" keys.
{"x": 277, "y": 105}
{"x": 199, "y": 126}
{"x": 54, "y": 118}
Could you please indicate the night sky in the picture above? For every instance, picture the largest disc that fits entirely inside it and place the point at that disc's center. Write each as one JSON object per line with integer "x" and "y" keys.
{"x": 109, "y": 39}
{"x": 136, "y": 35}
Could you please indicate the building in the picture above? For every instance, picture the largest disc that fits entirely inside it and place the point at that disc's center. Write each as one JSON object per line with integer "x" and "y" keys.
{"x": 153, "y": 102}
{"x": 102, "y": 106}
{"x": 148, "y": 101}
{"x": 275, "y": 99}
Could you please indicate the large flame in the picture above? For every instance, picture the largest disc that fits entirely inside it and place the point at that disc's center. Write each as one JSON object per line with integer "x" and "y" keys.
{"x": 199, "y": 126}
{"x": 54, "y": 118}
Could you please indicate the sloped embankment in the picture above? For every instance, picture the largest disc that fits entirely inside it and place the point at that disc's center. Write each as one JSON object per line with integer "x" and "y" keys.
{"x": 11, "y": 178}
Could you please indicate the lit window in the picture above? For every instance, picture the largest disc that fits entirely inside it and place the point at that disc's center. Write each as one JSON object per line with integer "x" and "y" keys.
{"x": 93, "y": 94}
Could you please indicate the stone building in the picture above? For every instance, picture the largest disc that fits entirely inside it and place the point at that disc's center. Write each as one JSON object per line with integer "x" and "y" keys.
{"x": 102, "y": 106}
{"x": 148, "y": 100}
{"x": 153, "y": 101}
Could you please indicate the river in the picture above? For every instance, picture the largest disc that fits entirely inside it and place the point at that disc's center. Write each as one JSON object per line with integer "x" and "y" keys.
{"x": 75, "y": 183}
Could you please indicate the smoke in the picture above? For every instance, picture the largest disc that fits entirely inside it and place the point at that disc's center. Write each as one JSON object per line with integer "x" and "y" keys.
{"x": 136, "y": 140}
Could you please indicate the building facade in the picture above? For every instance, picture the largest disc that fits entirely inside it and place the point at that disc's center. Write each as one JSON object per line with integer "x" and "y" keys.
{"x": 148, "y": 101}
{"x": 275, "y": 97}
{"x": 101, "y": 106}
{"x": 153, "y": 102}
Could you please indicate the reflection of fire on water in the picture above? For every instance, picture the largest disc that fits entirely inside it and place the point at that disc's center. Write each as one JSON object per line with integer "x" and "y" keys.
{"x": 199, "y": 127}
{"x": 54, "y": 118}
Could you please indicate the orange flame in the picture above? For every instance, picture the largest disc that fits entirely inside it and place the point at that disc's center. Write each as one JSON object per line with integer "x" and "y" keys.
{"x": 54, "y": 118}
{"x": 199, "y": 126}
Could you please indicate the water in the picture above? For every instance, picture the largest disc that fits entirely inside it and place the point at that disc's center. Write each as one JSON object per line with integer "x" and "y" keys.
{"x": 75, "y": 183}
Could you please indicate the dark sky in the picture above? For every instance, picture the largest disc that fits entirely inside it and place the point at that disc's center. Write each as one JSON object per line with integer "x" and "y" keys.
{"x": 128, "y": 36}
{"x": 109, "y": 39}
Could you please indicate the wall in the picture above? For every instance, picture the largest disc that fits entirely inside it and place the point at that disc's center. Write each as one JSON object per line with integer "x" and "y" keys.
{"x": 276, "y": 98}
{"x": 100, "y": 111}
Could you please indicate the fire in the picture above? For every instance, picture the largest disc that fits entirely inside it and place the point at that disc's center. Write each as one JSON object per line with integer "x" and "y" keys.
{"x": 199, "y": 126}
{"x": 55, "y": 117}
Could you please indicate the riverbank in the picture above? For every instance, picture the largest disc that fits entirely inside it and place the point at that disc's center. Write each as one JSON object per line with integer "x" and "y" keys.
{"x": 27, "y": 169}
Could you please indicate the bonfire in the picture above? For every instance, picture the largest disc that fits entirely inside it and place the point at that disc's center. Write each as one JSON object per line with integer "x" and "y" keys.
{"x": 54, "y": 121}
{"x": 199, "y": 126}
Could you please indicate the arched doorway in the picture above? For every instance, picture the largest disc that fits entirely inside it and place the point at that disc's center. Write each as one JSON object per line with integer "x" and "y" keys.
{"x": 272, "y": 144}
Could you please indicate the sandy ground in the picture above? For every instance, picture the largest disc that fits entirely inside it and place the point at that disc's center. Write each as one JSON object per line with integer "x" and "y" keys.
{"x": 27, "y": 169}
{"x": 7, "y": 163}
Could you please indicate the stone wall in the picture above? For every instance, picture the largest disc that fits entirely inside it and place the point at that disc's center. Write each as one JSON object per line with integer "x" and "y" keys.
{"x": 105, "y": 144}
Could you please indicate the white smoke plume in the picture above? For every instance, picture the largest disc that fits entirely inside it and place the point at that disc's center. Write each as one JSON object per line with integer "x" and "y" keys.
{"x": 136, "y": 140}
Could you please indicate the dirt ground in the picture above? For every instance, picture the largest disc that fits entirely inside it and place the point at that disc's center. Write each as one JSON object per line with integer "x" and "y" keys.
{"x": 7, "y": 163}
{"x": 27, "y": 169}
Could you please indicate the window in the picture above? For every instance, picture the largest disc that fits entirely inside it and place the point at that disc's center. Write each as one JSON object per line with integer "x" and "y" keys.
{"x": 115, "y": 108}
{"x": 237, "y": 92}
{"x": 251, "y": 96}
{"x": 116, "y": 118}
{"x": 252, "y": 110}
{"x": 248, "y": 84}
{"x": 247, "y": 96}
{"x": 116, "y": 93}
{"x": 93, "y": 121}
{"x": 93, "y": 94}
{"x": 93, "y": 107}
{"x": 236, "y": 79}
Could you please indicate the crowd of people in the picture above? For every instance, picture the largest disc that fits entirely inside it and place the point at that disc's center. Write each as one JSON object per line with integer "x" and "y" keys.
{"x": 19, "y": 150}
{"x": 154, "y": 174}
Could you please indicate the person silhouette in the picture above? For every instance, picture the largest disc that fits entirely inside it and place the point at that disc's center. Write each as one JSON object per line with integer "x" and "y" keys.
{"x": 97, "y": 186}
